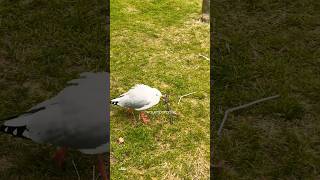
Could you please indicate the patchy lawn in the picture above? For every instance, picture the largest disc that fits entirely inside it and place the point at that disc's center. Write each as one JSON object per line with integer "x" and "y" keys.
{"x": 159, "y": 43}
{"x": 263, "y": 48}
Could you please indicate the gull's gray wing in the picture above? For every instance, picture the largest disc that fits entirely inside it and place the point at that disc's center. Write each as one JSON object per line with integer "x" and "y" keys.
{"x": 137, "y": 97}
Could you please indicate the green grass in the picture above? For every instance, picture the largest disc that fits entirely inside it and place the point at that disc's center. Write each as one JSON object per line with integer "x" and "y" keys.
{"x": 262, "y": 48}
{"x": 44, "y": 44}
{"x": 158, "y": 43}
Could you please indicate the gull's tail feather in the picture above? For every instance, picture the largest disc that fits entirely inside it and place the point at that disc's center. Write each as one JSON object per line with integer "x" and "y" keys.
{"x": 119, "y": 99}
{"x": 17, "y": 131}
{"x": 17, "y": 125}
{"x": 115, "y": 101}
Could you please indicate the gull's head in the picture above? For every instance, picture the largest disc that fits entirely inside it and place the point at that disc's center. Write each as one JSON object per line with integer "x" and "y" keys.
{"x": 158, "y": 93}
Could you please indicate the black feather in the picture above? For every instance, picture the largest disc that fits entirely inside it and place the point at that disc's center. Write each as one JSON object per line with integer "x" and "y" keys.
{"x": 20, "y": 129}
{"x": 114, "y": 102}
{"x": 11, "y": 129}
{"x": 72, "y": 84}
{"x": 27, "y": 112}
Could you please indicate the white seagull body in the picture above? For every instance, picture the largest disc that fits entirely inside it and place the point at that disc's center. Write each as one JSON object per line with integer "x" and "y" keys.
{"x": 75, "y": 118}
{"x": 140, "y": 97}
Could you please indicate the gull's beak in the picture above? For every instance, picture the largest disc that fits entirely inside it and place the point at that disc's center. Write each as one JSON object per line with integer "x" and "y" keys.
{"x": 164, "y": 98}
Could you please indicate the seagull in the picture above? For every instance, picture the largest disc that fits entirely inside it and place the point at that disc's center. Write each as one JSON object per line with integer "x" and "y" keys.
{"x": 140, "y": 97}
{"x": 76, "y": 118}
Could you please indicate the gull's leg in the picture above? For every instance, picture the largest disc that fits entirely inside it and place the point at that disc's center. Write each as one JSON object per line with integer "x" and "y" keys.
{"x": 130, "y": 111}
{"x": 60, "y": 156}
{"x": 102, "y": 167}
{"x": 144, "y": 118}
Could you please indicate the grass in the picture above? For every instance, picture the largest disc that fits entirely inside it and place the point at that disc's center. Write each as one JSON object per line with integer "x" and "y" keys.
{"x": 158, "y": 43}
{"x": 262, "y": 48}
{"x": 42, "y": 46}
